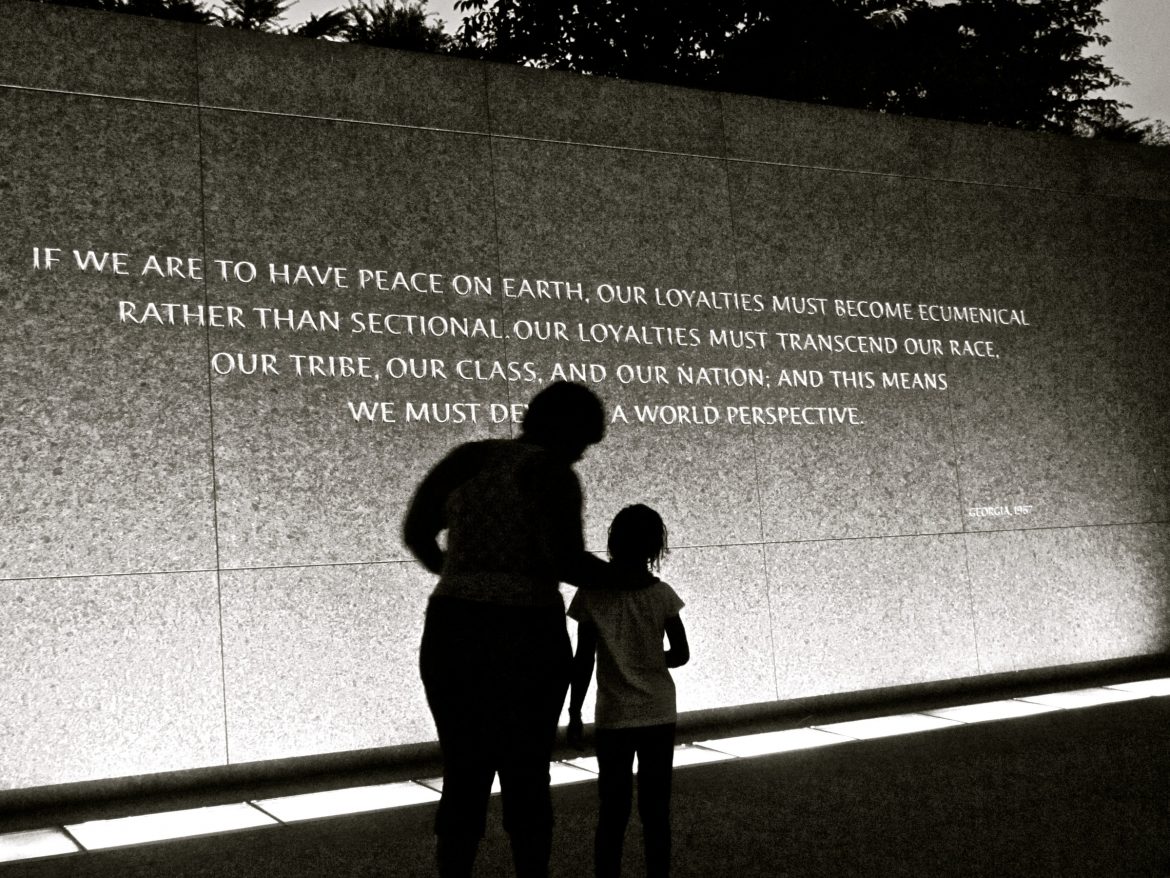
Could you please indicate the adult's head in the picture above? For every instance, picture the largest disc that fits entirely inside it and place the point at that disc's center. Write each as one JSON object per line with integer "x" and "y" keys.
{"x": 565, "y": 418}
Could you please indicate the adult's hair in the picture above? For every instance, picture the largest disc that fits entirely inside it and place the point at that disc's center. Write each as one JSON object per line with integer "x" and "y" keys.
{"x": 565, "y": 415}
{"x": 637, "y": 536}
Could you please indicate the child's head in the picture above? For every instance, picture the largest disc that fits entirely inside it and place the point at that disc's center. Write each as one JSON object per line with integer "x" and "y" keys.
{"x": 637, "y": 536}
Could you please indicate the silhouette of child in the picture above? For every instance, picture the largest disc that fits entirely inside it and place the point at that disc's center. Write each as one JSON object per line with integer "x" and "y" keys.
{"x": 623, "y": 626}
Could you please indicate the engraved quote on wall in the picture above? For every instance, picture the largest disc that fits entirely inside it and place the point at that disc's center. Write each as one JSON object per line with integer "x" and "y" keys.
{"x": 770, "y": 360}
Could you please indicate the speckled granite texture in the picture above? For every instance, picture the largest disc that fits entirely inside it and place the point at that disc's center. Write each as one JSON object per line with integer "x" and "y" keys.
{"x": 864, "y": 614}
{"x": 299, "y": 479}
{"x": 105, "y": 432}
{"x": 1068, "y": 595}
{"x": 108, "y": 676}
{"x": 323, "y": 659}
{"x": 684, "y": 251}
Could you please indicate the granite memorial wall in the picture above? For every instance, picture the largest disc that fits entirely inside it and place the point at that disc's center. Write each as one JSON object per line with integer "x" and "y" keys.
{"x": 898, "y": 387}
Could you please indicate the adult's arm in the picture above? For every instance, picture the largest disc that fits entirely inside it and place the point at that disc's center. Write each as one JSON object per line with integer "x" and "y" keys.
{"x": 425, "y": 517}
{"x": 583, "y": 662}
{"x": 558, "y": 510}
{"x": 582, "y": 673}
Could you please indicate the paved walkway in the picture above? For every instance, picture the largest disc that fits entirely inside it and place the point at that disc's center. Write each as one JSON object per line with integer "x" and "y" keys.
{"x": 1068, "y": 793}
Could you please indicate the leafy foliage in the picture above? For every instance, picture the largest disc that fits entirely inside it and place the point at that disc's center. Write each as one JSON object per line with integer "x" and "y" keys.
{"x": 254, "y": 15}
{"x": 329, "y": 26}
{"x": 1014, "y": 63}
{"x": 659, "y": 40}
{"x": 1020, "y": 63}
{"x": 1111, "y": 125}
{"x": 399, "y": 24}
{"x": 394, "y": 24}
{"x": 190, "y": 11}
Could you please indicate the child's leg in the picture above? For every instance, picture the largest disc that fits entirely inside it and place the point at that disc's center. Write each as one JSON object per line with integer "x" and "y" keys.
{"x": 615, "y": 764}
{"x": 655, "y": 762}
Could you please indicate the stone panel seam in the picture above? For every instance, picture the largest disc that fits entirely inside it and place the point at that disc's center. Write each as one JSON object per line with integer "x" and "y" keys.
{"x": 963, "y": 533}
{"x": 734, "y": 229}
{"x": 971, "y": 604}
{"x": 956, "y": 456}
{"x": 94, "y": 94}
{"x": 1096, "y": 193}
{"x": 227, "y": 755}
{"x": 118, "y": 574}
{"x": 197, "y": 570}
{"x": 954, "y": 181}
{"x": 922, "y": 534}
{"x": 491, "y": 143}
{"x": 676, "y": 548}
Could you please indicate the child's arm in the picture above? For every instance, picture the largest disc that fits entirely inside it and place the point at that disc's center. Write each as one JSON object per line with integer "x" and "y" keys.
{"x": 680, "y": 651}
{"x": 582, "y": 673}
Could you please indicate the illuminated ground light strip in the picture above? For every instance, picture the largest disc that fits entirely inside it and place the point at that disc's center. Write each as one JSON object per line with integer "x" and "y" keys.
{"x": 143, "y": 828}
{"x": 1148, "y": 687}
{"x": 887, "y": 726}
{"x": 354, "y": 800}
{"x": 149, "y": 828}
{"x": 767, "y": 743}
{"x": 1084, "y": 697}
{"x": 992, "y": 710}
{"x": 684, "y": 755}
{"x": 33, "y": 843}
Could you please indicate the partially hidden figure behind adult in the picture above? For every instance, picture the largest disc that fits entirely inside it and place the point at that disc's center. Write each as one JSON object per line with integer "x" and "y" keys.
{"x": 496, "y": 658}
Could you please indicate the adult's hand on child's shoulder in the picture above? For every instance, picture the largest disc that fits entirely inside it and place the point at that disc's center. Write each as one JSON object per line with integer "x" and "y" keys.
{"x": 630, "y": 578}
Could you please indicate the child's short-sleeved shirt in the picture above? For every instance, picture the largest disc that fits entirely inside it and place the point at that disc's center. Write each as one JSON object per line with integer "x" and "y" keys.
{"x": 634, "y": 687}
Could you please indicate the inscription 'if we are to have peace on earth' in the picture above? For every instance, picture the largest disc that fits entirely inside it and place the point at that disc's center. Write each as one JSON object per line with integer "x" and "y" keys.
{"x": 414, "y": 325}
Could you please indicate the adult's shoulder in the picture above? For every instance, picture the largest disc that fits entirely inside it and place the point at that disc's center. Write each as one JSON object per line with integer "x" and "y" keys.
{"x": 458, "y": 465}
{"x": 475, "y": 451}
{"x": 480, "y": 446}
{"x": 540, "y": 463}
{"x": 535, "y": 467}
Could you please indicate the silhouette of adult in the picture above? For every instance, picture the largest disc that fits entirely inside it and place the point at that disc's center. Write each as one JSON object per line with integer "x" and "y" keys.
{"x": 496, "y": 658}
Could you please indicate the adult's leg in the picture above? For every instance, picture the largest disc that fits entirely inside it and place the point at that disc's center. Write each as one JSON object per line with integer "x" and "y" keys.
{"x": 615, "y": 781}
{"x": 655, "y": 763}
{"x": 458, "y": 692}
{"x": 540, "y": 660}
